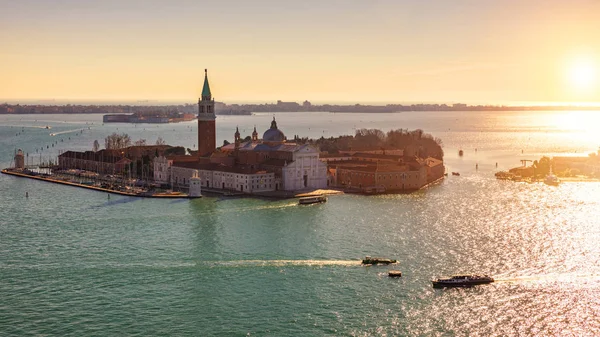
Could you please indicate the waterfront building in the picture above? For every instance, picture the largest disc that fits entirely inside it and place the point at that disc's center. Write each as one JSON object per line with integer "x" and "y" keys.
{"x": 259, "y": 165}
{"x": 434, "y": 167}
{"x": 222, "y": 177}
{"x": 378, "y": 172}
{"x": 296, "y": 165}
{"x": 103, "y": 161}
{"x": 111, "y": 161}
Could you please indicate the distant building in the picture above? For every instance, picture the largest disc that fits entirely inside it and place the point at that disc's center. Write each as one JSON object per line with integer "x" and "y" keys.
{"x": 288, "y": 106}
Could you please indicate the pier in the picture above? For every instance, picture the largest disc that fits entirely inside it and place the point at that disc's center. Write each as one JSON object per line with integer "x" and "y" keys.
{"x": 142, "y": 194}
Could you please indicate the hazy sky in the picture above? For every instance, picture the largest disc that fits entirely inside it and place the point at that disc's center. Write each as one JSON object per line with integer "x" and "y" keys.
{"x": 477, "y": 51}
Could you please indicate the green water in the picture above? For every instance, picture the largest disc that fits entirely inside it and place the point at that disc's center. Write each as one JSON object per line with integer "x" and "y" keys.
{"x": 74, "y": 262}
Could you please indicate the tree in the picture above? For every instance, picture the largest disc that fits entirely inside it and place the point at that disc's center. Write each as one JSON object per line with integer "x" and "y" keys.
{"x": 96, "y": 146}
{"x": 160, "y": 141}
{"x": 140, "y": 142}
{"x": 117, "y": 141}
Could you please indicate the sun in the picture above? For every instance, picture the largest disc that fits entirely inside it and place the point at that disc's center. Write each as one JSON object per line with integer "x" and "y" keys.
{"x": 582, "y": 75}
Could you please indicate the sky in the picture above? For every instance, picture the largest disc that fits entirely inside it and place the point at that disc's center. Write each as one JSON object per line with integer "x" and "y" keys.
{"x": 327, "y": 51}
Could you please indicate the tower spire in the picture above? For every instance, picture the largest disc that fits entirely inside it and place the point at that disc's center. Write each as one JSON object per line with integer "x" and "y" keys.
{"x": 206, "y": 95}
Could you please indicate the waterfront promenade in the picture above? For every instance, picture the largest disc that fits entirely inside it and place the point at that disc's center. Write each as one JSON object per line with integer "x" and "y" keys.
{"x": 172, "y": 195}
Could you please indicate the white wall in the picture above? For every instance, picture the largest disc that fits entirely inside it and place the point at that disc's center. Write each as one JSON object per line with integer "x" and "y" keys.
{"x": 306, "y": 162}
{"x": 161, "y": 170}
{"x": 247, "y": 183}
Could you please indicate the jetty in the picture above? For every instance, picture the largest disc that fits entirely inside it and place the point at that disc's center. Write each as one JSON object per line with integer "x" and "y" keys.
{"x": 91, "y": 186}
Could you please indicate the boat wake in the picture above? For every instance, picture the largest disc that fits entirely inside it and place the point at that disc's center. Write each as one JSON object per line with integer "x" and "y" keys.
{"x": 249, "y": 208}
{"x": 64, "y": 132}
{"x": 280, "y": 263}
{"x": 548, "y": 278}
{"x": 187, "y": 264}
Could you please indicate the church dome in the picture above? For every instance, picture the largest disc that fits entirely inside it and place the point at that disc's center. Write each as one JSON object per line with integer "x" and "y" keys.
{"x": 273, "y": 134}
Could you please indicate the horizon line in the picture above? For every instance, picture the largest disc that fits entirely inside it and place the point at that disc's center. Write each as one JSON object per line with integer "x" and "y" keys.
{"x": 85, "y": 101}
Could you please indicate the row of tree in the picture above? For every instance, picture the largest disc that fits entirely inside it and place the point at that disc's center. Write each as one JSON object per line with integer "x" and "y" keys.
{"x": 120, "y": 141}
{"x": 424, "y": 144}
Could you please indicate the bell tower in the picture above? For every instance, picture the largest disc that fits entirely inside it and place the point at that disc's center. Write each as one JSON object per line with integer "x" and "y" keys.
{"x": 207, "y": 142}
{"x": 255, "y": 136}
{"x": 236, "y": 137}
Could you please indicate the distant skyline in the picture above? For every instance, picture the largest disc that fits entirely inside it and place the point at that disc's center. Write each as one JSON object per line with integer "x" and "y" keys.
{"x": 337, "y": 51}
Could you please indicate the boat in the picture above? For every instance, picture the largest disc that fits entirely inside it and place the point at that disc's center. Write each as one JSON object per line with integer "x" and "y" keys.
{"x": 462, "y": 281}
{"x": 312, "y": 200}
{"x": 460, "y": 152}
{"x": 551, "y": 180}
{"x": 455, "y": 173}
{"x": 394, "y": 273}
{"x": 377, "y": 260}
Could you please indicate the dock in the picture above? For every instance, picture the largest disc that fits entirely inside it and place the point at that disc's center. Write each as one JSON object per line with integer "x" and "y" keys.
{"x": 164, "y": 195}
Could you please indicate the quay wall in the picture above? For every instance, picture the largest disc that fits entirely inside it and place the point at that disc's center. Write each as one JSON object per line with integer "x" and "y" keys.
{"x": 96, "y": 188}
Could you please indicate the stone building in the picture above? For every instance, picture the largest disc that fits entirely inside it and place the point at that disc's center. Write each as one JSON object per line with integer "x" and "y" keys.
{"x": 103, "y": 161}
{"x": 260, "y": 165}
{"x": 377, "y": 173}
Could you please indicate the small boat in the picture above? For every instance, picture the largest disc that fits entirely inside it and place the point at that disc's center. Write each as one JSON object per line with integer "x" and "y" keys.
{"x": 551, "y": 180}
{"x": 462, "y": 281}
{"x": 48, "y": 127}
{"x": 455, "y": 173}
{"x": 312, "y": 200}
{"x": 460, "y": 152}
{"x": 377, "y": 260}
{"x": 394, "y": 273}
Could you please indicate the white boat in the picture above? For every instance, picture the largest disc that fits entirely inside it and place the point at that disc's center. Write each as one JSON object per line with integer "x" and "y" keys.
{"x": 312, "y": 200}
{"x": 552, "y": 180}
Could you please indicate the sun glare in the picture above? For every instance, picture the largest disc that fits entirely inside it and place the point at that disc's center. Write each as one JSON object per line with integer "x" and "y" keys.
{"x": 582, "y": 75}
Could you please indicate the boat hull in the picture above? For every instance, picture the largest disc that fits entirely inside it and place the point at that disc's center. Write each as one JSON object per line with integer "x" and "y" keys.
{"x": 375, "y": 261}
{"x": 459, "y": 281}
{"x": 311, "y": 200}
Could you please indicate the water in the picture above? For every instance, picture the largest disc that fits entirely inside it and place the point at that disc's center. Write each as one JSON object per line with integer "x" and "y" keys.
{"x": 73, "y": 262}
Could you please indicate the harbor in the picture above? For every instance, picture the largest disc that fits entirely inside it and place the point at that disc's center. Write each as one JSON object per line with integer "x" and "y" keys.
{"x": 113, "y": 189}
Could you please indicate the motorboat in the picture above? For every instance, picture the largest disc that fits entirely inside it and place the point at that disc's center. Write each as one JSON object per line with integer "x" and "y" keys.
{"x": 455, "y": 173}
{"x": 312, "y": 200}
{"x": 377, "y": 260}
{"x": 462, "y": 281}
{"x": 460, "y": 152}
{"x": 552, "y": 180}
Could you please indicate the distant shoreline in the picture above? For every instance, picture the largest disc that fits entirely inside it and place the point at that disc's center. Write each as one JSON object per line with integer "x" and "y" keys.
{"x": 248, "y": 109}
